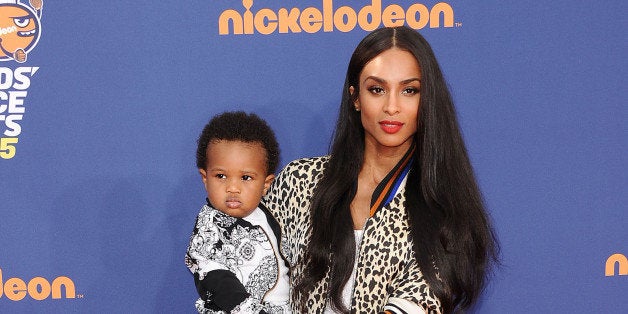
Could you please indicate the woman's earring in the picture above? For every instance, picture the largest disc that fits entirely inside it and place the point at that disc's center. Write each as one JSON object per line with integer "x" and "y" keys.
{"x": 357, "y": 109}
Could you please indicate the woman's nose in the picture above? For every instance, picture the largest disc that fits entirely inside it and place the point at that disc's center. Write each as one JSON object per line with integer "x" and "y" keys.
{"x": 391, "y": 106}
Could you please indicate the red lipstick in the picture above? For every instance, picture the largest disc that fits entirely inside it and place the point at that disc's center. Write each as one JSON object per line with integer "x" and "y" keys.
{"x": 390, "y": 127}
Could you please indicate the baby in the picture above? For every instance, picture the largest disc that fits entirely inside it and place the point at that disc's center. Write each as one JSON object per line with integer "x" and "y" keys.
{"x": 233, "y": 251}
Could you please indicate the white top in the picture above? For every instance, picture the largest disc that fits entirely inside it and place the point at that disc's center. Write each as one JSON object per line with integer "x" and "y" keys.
{"x": 347, "y": 291}
{"x": 280, "y": 293}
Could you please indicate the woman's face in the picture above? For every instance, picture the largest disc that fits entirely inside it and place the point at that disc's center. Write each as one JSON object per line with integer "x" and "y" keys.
{"x": 389, "y": 99}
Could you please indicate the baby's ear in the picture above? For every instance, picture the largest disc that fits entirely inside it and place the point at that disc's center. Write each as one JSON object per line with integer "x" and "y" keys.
{"x": 203, "y": 173}
{"x": 269, "y": 179}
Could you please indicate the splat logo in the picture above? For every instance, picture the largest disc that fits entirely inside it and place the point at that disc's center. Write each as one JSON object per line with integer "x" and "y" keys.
{"x": 20, "y": 28}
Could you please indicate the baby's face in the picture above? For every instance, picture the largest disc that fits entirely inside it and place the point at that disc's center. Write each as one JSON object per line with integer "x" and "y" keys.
{"x": 235, "y": 176}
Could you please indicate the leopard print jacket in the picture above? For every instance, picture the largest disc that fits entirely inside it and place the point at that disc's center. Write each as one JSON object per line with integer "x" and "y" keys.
{"x": 386, "y": 268}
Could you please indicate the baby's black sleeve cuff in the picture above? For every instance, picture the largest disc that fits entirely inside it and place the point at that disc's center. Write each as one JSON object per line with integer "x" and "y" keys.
{"x": 221, "y": 288}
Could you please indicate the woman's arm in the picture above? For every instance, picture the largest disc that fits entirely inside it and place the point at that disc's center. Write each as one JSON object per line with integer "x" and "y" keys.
{"x": 411, "y": 292}
{"x": 402, "y": 306}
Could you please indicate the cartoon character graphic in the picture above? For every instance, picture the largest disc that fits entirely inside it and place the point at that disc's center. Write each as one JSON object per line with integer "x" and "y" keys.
{"x": 20, "y": 28}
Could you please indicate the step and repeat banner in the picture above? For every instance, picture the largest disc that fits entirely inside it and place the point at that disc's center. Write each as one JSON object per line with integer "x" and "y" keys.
{"x": 101, "y": 103}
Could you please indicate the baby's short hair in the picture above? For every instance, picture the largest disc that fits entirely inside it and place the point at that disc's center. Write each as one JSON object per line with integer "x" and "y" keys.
{"x": 239, "y": 126}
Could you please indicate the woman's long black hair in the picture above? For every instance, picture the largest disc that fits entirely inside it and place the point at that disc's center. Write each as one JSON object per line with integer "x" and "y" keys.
{"x": 453, "y": 240}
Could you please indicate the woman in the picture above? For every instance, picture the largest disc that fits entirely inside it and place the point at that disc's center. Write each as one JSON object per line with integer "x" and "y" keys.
{"x": 392, "y": 220}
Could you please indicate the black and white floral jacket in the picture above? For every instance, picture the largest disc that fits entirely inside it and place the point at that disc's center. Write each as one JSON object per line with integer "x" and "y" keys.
{"x": 233, "y": 263}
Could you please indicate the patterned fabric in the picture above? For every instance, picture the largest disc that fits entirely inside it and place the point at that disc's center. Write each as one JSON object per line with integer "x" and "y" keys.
{"x": 401, "y": 306}
{"x": 386, "y": 190}
{"x": 221, "y": 242}
{"x": 386, "y": 267}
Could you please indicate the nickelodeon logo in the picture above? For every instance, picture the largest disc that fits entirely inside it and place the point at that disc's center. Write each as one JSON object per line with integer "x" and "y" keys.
{"x": 265, "y": 21}
{"x": 612, "y": 261}
{"x": 37, "y": 288}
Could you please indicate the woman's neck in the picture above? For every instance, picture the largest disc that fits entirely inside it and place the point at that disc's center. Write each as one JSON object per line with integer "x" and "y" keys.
{"x": 377, "y": 164}
{"x": 380, "y": 160}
